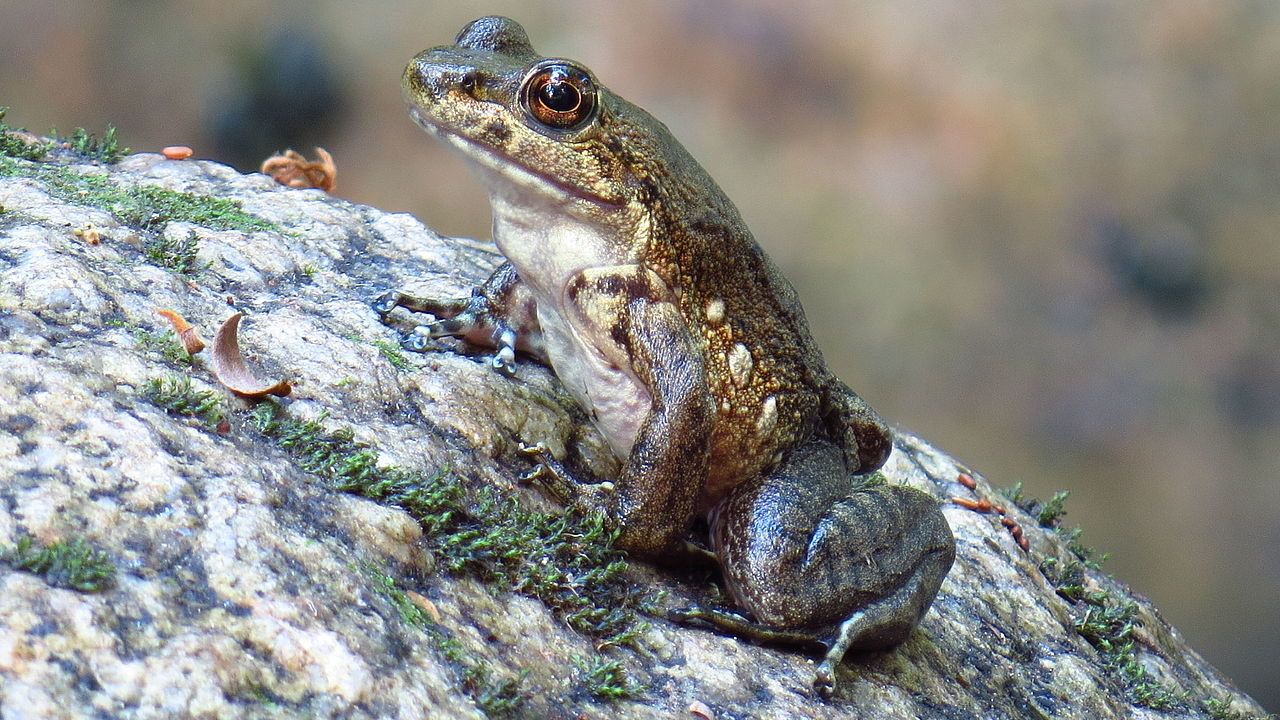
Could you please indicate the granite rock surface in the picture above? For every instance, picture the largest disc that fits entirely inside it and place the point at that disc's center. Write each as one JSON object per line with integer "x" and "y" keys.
{"x": 245, "y": 582}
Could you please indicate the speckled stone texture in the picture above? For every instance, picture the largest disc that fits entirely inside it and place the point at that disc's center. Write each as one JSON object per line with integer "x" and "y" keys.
{"x": 243, "y": 586}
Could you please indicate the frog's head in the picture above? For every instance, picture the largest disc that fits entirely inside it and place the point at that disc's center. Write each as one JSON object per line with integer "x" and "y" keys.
{"x": 542, "y": 128}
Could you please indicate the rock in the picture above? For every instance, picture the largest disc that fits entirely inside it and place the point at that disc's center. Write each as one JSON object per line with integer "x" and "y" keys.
{"x": 362, "y": 549}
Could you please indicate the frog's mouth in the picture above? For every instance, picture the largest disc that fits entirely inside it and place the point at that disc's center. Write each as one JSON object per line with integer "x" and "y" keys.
{"x": 507, "y": 166}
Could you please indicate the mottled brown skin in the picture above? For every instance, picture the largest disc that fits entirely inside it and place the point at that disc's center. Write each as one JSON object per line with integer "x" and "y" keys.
{"x": 633, "y": 276}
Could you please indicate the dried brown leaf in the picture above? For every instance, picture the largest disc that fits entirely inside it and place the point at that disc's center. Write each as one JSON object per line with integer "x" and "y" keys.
{"x": 89, "y": 234}
{"x": 230, "y": 369}
{"x": 292, "y": 169}
{"x": 701, "y": 710}
{"x": 425, "y": 604}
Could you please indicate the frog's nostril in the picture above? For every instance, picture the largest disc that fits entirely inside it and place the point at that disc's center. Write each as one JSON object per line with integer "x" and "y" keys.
{"x": 468, "y": 83}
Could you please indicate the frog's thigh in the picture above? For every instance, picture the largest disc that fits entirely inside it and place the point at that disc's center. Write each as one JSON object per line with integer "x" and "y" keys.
{"x": 629, "y": 313}
{"x": 805, "y": 548}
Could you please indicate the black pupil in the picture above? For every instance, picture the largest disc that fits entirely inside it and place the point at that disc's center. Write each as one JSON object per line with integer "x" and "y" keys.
{"x": 559, "y": 95}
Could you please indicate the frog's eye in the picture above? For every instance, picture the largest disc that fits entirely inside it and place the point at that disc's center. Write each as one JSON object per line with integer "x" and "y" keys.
{"x": 558, "y": 95}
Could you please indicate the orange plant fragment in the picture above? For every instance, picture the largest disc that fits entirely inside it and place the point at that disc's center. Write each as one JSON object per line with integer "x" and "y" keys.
{"x": 229, "y": 367}
{"x": 187, "y": 334}
{"x": 295, "y": 171}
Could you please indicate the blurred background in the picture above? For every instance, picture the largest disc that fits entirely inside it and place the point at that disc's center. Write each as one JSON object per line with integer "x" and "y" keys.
{"x": 1042, "y": 235}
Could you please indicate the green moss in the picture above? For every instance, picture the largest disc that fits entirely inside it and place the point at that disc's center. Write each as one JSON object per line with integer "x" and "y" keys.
{"x": 176, "y": 254}
{"x": 145, "y": 207}
{"x": 874, "y": 479}
{"x": 1087, "y": 556}
{"x": 386, "y": 586}
{"x": 496, "y": 697}
{"x": 175, "y": 394}
{"x": 1105, "y": 621}
{"x": 1048, "y": 513}
{"x": 1053, "y": 509}
{"x": 165, "y": 343}
{"x": 262, "y": 695}
{"x": 566, "y": 561}
{"x": 12, "y": 146}
{"x": 1015, "y": 495}
{"x": 389, "y": 350}
{"x": 82, "y": 142}
{"x": 1067, "y": 577}
{"x": 1146, "y": 690}
{"x": 70, "y": 564}
{"x": 1222, "y": 710}
{"x": 106, "y": 150}
{"x": 393, "y": 354}
{"x": 605, "y": 679}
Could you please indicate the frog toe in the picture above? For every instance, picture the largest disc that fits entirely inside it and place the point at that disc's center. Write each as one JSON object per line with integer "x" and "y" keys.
{"x": 504, "y": 361}
{"x": 739, "y": 625}
{"x": 417, "y": 340}
{"x": 387, "y": 302}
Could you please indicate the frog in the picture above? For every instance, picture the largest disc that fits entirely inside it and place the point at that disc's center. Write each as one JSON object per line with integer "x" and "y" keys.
{"x": 634, "y": 278}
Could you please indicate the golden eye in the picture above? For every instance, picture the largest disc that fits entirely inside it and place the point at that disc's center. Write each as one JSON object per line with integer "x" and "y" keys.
{"x": 559, "y": 95}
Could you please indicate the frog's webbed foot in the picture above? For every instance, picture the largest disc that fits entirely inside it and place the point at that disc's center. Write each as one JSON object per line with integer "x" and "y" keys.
{"x": 422, "y": 337}
{"x": 739, "y": 625}
{"x": 498, "y": 314}
{"x": 559, "y": 482}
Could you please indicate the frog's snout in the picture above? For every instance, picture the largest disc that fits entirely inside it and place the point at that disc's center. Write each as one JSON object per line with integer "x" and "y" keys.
{"x": 427, "y": 78}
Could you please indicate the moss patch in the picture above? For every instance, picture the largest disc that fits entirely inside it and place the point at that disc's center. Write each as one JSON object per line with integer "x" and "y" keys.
{"x": 605, "y": 679}
{"x": 72, "y": 564}
{"x": 13, "y": 146}
{"x": 176, "y": 395}
{"x": 176, "y": 254}
{"x": 145, "y": 207}
{"x": 567, "y": 561}
{"x": 392, "y": 353}
{"x": 165, "y": 343}
{"x": 1104, "y": 619}
{"x": 106, "y": 149}
{"x": 495, "y": 696}
{"x": 1222, "y": 710}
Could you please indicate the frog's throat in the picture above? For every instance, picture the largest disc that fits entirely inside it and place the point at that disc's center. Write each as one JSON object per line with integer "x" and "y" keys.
{"x": 513, "y": 169}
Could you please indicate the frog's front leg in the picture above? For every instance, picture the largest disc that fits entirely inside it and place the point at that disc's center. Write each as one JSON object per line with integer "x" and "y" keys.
{"x": 811, "y": 551}
{"x": 646, "y": 349}
{"x": 500, "y": 313}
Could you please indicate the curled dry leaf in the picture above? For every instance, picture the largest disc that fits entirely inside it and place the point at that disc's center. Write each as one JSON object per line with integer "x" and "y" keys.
{"x": 701, "y": 710}
{"x": 229, "y": 367}
{"x": 187, "y": 334}
{"x": 177, "y": 152}
{"x": 89, "y": 234}
{"x": 425, "y": 605}
{"x": 295, "y": 171}
{"x": 982, "y": 506}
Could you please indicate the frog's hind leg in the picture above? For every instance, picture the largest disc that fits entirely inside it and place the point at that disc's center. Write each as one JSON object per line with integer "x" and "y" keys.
{"x": 812, "y": 548}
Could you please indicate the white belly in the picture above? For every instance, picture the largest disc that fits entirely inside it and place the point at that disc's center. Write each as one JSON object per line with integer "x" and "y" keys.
{"x": 616, "y": 401}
